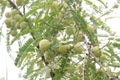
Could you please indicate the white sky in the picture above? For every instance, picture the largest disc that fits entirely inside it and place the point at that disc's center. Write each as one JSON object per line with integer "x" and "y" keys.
{"x": 7, "y": 63}
{"x": 7, "y": 67}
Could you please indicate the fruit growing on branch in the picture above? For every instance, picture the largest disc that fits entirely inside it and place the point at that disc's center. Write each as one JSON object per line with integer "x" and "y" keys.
{"x": 13, "y": 32}
{"x": 19, "y": 2}
{"x": 79, "y": 36}
{"x": 70, "y": 30}
{"x": 23, "y": 25}
{"x": 78, "y": 48}
{"x": 96, "y": 51}
{"x": 17, "y": 17}
{"x": 8, "y": 14}
{"x": 44, "y": 44}
{"x": 14, "y": 12}
{"x": 63, "y": 49}
{"x": 17, "y": 25}
{"x": 37, "y": 25}
{"x": 8, "y": 22}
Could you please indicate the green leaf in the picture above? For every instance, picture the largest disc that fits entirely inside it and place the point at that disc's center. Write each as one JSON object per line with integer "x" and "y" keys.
{"x": 91, "y": 69}
{"x": 118, "y": 39}
{"x": 93, "y": 38}
{"x": 102, "y": 3}
{"x": 30, "y": 68}
{"x": 116, "y": 44}
{"x": 22, "y": 32}
{"x": 116, "y": 6}
{"x": 79, "y": 19}
{"x": 100, "y": 24}
{"x": 100, "y": 75}
{"x": 94, "y": 6}
{"x": 111, "y": 51}
{"x": 114, "y": 65}
{"x": 22, "y": 50}
{"x": 73, "y": 78}
{"x": 8, "y": 42}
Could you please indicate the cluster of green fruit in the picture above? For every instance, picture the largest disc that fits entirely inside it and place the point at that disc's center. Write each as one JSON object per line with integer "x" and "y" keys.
{"x": 63, "y": 48}
{"x": 13, "y": 22}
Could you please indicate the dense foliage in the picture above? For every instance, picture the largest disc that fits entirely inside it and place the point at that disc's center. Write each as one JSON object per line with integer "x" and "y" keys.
{"x": 62, "y": 40}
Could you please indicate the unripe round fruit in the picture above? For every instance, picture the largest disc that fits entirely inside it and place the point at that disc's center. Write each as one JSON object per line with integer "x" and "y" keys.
{"x": 17, "y": 17}
{"x": 79, "y": 37}
{"x": 19, "y": 2}
{"x": 13, "y": 32}
{"x": 69, "y": 30}
{"x": 64, "y": 49}
{"x": 13, "y": 22}
{"x": 23, "y": 25}
{"x": 78, "y": 48}
{"x": 8, "y": 14}
{"x": 8, "y": 22}
{"x": 96, "y": 51}
{"x": 90, "y": 29}
{"x": 14, "y": 12}
{"x": 44, "y": 44}
{"x": 8, "y": 4}
{"x": 17, "y": 25}
{"x": 103, "y": 57}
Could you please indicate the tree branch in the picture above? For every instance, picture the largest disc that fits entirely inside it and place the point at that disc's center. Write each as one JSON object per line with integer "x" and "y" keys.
{"x": 88, "y": 44}
{"x": 15, "y": 7}
{"x": 84, "y": 60}
{"x": 97, "y": 61}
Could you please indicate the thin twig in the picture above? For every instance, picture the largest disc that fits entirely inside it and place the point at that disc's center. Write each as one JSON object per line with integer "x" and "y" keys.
{"x": 88, "y": 44}
{"x": 96, "y": 60}
{"x": 84, "y": 60}
{"x": 15, "y": 7}
{"x": 83, "y": 69}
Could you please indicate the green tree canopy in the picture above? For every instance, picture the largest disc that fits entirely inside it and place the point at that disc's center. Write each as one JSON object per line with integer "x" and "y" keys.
{"x": 60, "y": 39}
